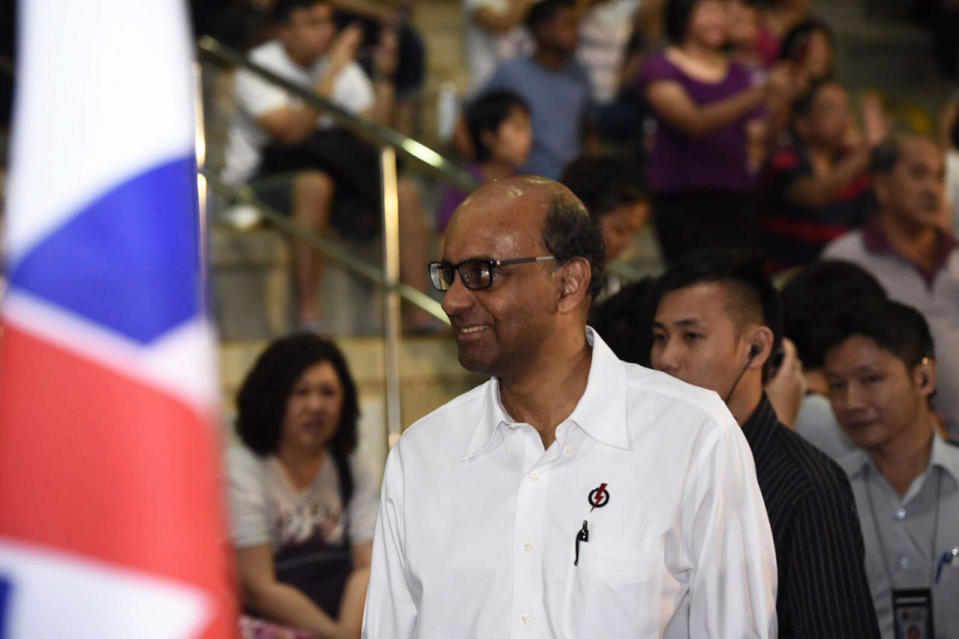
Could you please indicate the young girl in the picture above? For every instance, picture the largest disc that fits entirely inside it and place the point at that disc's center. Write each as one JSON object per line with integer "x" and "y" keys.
{"x": 499, "y": 128}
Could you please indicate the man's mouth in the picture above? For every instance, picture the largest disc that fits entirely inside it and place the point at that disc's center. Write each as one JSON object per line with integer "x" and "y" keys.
{"x": 471, "y": 329}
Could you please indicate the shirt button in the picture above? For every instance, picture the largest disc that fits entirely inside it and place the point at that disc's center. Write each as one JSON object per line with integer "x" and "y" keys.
{"x": 901, "y": 513}
{"x": 568, "y": 450}
{"x": 903, "y": 562}
{"x": 524, "y": 619}
{"x": 507, "y": 450}
{"x": 528, "y": 546}
{"x": 534, "y": 478}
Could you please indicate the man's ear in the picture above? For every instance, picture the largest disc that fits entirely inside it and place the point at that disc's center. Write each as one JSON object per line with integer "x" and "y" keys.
{"x": 759, "y": 340}
{"x": 574, "y": 279}
{"x": 925, "y": 376}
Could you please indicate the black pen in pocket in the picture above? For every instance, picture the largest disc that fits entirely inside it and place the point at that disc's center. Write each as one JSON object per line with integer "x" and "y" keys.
{"x": 581, "y": 535}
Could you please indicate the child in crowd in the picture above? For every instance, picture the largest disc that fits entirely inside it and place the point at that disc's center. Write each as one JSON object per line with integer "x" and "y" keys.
{"x": 499, "y": 128}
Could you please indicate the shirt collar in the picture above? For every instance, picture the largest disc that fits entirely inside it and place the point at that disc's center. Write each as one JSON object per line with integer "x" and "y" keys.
{"x": 944, "y": 455}
{"x": 600, "y": 412}
{"x": 877, "y": 243}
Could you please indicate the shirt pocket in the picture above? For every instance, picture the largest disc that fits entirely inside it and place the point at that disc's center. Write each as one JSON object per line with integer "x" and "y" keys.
{"x": 613, "y": 592}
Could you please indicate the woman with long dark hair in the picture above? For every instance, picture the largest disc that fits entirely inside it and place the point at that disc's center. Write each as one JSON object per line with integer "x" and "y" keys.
{"x": 303, "y": 509}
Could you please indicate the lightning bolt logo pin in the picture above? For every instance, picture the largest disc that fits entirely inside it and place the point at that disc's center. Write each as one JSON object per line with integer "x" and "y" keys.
{"x": 598, "y": 497}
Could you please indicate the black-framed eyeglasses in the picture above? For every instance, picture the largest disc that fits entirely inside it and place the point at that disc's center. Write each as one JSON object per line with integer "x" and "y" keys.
{"x": 476, "y": 273}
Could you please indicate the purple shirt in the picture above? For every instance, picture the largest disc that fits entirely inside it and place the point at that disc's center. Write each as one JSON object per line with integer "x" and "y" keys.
{"x": 452, "y": 197}
{"x": 715, "y": 161}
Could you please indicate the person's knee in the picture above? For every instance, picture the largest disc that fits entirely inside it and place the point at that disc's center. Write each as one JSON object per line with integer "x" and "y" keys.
{"x": 313, "y": 186}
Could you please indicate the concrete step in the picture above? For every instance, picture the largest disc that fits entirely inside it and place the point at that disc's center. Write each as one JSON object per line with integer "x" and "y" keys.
{"x": 252, "y": 288}
{"x": 429, "y": 369}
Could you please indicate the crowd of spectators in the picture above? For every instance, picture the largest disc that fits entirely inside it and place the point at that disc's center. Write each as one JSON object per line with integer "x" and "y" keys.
{"x": 724, "y": 126}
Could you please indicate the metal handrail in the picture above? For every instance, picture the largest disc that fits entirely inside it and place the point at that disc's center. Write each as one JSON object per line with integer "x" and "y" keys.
{"x": 366, "y": 128}
{"x": 243, "y": 194}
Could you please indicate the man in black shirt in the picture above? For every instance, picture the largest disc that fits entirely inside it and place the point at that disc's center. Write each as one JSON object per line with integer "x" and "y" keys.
{"x": 717, "y": 324}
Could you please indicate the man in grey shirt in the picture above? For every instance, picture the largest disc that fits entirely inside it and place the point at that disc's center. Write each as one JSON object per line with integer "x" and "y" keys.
{"x": 881, "y": 371}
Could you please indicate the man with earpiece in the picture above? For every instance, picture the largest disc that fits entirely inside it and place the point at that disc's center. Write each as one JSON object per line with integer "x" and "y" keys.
{"x": 718, "y": 325}
{"x": 881, "y": 369}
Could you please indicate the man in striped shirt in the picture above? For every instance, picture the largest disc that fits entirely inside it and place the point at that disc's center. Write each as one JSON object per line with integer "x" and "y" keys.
{"x": 717, "y": 325}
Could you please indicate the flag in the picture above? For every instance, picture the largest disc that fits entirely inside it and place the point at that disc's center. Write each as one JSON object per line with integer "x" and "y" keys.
{"x": 111, "y": 522}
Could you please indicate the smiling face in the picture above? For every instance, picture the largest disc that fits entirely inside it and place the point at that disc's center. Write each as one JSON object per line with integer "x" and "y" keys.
{"x": 313, "y": 409}
{"x": 708, "y": 24}
{"x": 502, "y": 330}
{"x": 876, "y": 399}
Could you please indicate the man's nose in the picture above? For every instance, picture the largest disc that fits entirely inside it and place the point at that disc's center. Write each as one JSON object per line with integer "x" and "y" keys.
{"x": 668, "y": 359}
{"x": 457, "y": 297}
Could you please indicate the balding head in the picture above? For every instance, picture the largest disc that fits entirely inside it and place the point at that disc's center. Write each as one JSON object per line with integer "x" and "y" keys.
{"x": 555, "y": 220}
{"x": 546, "y": 255}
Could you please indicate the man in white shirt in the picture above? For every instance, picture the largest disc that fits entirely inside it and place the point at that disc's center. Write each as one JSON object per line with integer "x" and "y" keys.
{"x": 572, "y": 495}
{"x": 293, "y": 158}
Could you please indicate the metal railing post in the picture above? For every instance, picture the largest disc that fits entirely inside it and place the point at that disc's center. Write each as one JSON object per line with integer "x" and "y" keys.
{"x": 391, "y": 298}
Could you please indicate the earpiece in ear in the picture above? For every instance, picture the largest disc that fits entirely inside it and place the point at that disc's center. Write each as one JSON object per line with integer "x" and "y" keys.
{"x": 754, "y": 351}
{"x": 925, "y": 371}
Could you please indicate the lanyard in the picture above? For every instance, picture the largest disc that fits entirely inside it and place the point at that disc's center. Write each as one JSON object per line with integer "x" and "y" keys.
{"x": 882, "y": 545}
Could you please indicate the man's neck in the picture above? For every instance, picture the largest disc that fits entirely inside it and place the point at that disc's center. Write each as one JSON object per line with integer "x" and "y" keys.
{"x": 550, "y": 58}
{"x": 300, "y": 61}
{"x": 916, "y": 242}
{"x": 546, "y": 395}
{"x": 746, "y": 397}
{"x": 494, "y": 169}
{"x": 906, "y": 456}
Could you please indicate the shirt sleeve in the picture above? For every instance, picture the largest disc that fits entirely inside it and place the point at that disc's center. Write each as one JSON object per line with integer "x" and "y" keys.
{"x": 825, "y": 592}
{"x": 654, "y": 69}
{"x": 249, "y": 516}
{"x": 365, "y": 501}
{"x": 257, "y": 97}
{"x": 726, "y": 532}
{"x": 353, "y": 90}
{"x": 390, "y": 605}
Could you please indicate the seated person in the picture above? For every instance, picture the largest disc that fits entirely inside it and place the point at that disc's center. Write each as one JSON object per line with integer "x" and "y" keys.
{"x": 717, "y": 323}
{"x": 554, "y": 85}
{"x": 495, "y": 32}
{"x": 809, "y": 299}
{"x": 881, "y": 369}
{"x": 500, "y": 135}
{"x": 610, "y": 188}
{"x": 292, "y": 157}
{"x": 303, "y": 507}
{"x": 906, "y": 248}
{"x": 816, "y": 188}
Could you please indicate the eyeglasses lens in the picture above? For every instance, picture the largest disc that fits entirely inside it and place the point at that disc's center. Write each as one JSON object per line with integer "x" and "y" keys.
{"x": 475, "y": 273}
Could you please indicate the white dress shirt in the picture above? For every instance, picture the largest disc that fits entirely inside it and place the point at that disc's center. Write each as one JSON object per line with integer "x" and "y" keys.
{"x": 477, "y": 524}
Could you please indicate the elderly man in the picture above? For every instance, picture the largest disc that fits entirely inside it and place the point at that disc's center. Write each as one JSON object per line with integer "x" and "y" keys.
{"x": 912, "y": 256}
{"x": 572, "y": 495}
